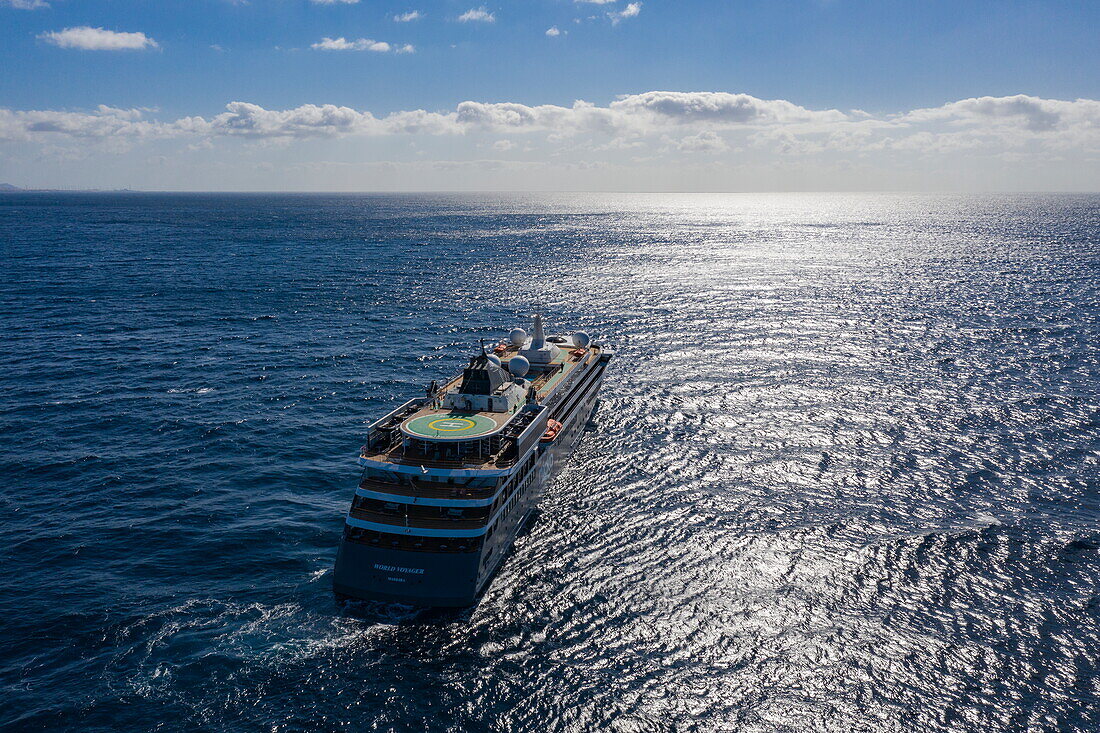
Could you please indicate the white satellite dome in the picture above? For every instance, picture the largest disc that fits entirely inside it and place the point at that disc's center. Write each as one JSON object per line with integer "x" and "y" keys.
{"x": 582, "y": 339}
{"x": 494, "y": 358}
{"x": 517, "y": 336}
{"x": 518, "y": 365}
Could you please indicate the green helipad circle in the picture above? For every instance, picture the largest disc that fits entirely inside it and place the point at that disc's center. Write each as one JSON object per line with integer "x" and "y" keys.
{"x": 449, "y": 426}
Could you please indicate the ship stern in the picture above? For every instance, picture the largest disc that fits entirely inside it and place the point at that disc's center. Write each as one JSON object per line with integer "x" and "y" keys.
{"x": 437, "y": 580}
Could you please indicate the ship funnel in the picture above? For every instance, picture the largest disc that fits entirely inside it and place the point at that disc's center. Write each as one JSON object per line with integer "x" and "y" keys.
{"x": 538, "y": 338}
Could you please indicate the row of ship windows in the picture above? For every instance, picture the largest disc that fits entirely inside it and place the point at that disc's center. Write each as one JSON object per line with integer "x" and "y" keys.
{"x": 421, "y": 511}
{"x": 582, "y": 392}
{"x": 412, "y": 543}
{"x": 425, "y": 544}
{"x": 418, "y": 511}
{"x": 508, "y": 507}
{"x": 452, "y": 451}
{"x": 391, "y": 477}
{"x": 521, "y": 479}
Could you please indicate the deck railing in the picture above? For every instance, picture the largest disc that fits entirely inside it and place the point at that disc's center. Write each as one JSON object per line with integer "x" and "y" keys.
{"x": 512, "y": 445}
{"x": 428, "y": 489}
{"x": 421, "y": 522}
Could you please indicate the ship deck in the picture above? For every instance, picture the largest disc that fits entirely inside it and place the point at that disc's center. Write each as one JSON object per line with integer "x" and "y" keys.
{"x": 450, "y": 424}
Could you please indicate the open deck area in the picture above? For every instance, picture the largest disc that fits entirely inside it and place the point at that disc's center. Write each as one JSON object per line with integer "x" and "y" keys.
{"x": 454, "y": 425}
{"x": 444, "y": 423}
{"x": 431, "y": 432}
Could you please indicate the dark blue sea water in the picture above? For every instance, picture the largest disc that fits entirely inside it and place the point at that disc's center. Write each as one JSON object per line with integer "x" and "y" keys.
{"x": 844, "y": 476}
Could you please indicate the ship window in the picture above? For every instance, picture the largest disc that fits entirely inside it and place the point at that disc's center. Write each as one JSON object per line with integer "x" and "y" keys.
{"x": 411, "y": 543}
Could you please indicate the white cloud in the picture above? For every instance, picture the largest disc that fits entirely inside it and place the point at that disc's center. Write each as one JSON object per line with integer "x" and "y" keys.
{"x": 309, "y": 120}
{"x": 362, "y": 44}
{"x": 704, "y": 142}
{"x": 595, "y": 2}
{"x": 26, "y": 4}
{"x": 720, "y": 108}
{"x": 408, "y": 17}
{"x": 553, "y": 31}
{"x": 1036, "y": 114}
{"x": 630, "y": 11}
{"x": 334, "y": 2}
{"x": 657, "y": 140}
{"x": 1005, "y": 128}
{"x": 98, "y": 39}
{"x": 105, "y": 122}
{"x": 480, "y": 15}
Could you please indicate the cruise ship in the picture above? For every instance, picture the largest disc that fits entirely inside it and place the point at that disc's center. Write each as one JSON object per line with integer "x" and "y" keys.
{"x": 450, "y": 478}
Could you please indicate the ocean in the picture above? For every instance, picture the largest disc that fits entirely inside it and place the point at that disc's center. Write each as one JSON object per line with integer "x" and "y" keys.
{"x": 844, "y": 474}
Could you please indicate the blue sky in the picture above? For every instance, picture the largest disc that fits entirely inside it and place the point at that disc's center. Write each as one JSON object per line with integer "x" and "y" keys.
{"x": 882, "y": 57}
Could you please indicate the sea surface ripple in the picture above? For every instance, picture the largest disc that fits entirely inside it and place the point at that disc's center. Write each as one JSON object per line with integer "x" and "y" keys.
{"x": 844, "y": 474}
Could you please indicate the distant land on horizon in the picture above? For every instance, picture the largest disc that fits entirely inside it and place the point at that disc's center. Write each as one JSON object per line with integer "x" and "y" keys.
{"x": 9, "y": 188}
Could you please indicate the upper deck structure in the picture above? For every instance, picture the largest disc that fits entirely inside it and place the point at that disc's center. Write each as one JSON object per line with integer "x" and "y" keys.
{"x": 483, "y": 419}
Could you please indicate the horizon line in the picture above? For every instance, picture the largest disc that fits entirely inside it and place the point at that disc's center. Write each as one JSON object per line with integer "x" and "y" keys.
{"x": 451, "y": 192}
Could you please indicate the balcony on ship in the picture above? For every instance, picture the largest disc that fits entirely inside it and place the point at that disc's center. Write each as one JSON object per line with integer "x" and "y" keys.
{"x": 412, "y": 543}
{"x": 419, "y": 515}
{"x": 414, "y": 487}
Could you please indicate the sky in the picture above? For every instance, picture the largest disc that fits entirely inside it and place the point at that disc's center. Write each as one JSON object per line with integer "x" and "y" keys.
{"x": 579, "y": 95}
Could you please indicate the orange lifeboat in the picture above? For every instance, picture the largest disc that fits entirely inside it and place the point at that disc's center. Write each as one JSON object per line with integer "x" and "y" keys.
{"x": 577, "y": 353}
{"x": 553, "y": 427}
{"x": 500, "y": 349}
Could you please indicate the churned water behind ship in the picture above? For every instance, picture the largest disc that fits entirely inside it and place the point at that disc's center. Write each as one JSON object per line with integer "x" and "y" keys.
{"x": 843, "y": 474}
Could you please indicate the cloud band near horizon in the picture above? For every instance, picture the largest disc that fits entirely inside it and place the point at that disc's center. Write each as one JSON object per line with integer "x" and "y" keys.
{"x": 682, "y": 121}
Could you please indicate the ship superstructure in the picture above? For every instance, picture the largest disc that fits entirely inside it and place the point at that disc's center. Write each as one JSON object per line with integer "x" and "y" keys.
{"x": 450, "y": 478}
